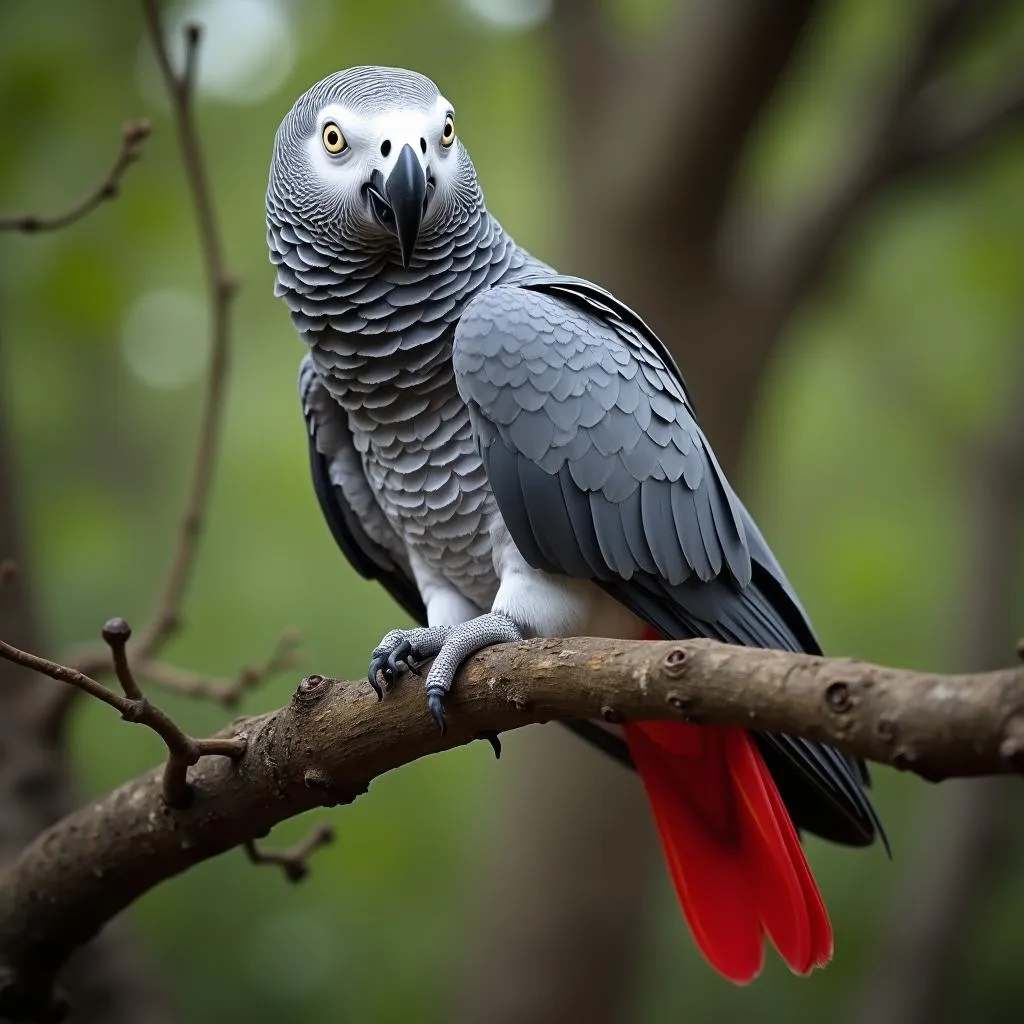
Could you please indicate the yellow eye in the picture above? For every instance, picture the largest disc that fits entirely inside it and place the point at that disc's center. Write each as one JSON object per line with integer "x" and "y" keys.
{"x": 334, "y": 141}
{"x": 448, "y": 132}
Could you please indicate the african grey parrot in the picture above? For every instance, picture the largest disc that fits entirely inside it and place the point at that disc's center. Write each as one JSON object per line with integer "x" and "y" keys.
{"x": 512, "y": 452}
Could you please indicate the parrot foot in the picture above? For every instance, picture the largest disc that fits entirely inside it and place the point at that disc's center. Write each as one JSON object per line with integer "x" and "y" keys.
{"x": 408, "y": 647}
{"x": 461, "y": 642}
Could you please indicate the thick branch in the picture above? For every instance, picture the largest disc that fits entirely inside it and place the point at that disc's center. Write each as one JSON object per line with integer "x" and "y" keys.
{"x": 132, "y": 137}
{"x": 915, "y": 126}
{"x": 334, "y": 738}
{"x": 691, "y": 98}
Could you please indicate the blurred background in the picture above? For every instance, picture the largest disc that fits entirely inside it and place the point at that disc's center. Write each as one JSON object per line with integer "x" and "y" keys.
{"x": 820, "y": 207}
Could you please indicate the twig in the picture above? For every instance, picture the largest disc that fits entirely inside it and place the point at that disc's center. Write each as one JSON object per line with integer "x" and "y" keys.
{"x": 326, "y": 746}
{"x": 183, "y": 750}
{"x": 133, "y": 135}
{"x": 227, "y": 692}
{"x": 294, "y": 861}
{"x": 221, "y": 286}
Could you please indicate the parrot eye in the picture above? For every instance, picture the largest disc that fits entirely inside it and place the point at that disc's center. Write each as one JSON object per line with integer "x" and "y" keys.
{"x": 448, "y": 132}
{"x": 334, "y": 140}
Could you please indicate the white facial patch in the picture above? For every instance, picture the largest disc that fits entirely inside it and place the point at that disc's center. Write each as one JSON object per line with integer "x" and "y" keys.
{"x": 375, "y": 142}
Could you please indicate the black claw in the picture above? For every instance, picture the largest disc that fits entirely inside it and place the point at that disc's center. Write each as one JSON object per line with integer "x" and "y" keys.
{"x": 495, "y": 742}
{"x": 402, "y": 652}
{"x": 435, "y": 704}
{"x": 375, "y": 666}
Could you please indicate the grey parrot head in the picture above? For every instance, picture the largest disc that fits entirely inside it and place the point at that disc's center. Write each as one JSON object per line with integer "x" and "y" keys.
{"x": 368, "y": 162}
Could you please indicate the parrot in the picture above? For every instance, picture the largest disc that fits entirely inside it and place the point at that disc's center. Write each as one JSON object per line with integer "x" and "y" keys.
{"x": 513, "y": 453}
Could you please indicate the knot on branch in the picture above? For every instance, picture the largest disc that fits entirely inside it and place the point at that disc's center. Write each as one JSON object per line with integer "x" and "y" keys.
{"x": 838, "y": 697}
{"x": 311, "y": 691}
{"x": 675, "y": 663}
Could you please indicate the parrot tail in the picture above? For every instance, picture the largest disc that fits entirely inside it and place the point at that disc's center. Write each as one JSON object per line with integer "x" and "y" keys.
{"x": 732, "y": 851}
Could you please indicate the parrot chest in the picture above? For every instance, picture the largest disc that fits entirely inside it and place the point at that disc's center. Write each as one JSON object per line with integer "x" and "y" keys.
{"x": 415, "y": 440}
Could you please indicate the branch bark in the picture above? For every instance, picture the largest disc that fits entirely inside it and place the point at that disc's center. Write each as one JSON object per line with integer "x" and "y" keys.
{"x": 327, "y": 745}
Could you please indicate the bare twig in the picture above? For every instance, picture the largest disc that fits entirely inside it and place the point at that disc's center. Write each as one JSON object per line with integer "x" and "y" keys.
{"x": 223, "y": 691}
{"x": 183, "y": 751}
{"x": 221, "y": 287}
{"x": 326, "y": 746}
{"x": 133, "y": 135}
{"x": 293, "y": 862}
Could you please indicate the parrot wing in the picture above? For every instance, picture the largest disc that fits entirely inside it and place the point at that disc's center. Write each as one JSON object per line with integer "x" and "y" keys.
{"x": 600, "y": 471}
{"x": 356, "y": 521}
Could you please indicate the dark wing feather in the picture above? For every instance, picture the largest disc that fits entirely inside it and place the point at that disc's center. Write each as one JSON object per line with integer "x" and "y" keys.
{"x": 600, "y": 471}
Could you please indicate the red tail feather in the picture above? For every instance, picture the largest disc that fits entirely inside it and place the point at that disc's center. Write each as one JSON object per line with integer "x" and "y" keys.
{"x": 732, "y": 851}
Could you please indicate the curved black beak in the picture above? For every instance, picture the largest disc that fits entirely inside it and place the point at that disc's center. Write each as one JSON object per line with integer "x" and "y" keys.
{"x": 405, "y": 191}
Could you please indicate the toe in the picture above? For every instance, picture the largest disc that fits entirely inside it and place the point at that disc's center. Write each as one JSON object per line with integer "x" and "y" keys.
{"x": 401, "y": 653}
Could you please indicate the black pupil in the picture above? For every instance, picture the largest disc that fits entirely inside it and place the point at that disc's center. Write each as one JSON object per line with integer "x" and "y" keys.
{"x": 447, "y": 128}
{"x": 332, "y": 138}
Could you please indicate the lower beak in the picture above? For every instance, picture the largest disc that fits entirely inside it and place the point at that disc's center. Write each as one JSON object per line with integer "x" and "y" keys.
{"x": 405, "y": 191}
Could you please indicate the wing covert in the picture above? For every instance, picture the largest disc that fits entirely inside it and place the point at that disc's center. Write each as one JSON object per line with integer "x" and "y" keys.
{"x": 587, "y": 430}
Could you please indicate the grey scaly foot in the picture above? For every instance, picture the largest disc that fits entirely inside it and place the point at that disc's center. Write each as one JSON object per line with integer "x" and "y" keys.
{"x": 410, "y": 647}
{"x": 462, "y": 641}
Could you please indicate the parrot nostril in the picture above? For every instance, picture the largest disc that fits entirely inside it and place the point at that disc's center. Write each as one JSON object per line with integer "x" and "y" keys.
{"x": 385, "y": 147}
{"x": 423, "y": 145}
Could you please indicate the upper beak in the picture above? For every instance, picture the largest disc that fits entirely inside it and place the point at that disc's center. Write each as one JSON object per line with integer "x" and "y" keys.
{"x": 405, "y": 191}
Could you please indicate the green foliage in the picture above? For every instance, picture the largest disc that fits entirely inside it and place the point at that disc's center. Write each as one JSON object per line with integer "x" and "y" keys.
{"x": 855, "y": 486}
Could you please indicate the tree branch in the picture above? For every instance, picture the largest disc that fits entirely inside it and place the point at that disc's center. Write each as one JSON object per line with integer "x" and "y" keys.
{"x": 221, "y": 286}
{"x": 182, "y": 750}
{"x": 690, "y": 100}
{"x": 914, "y": 127}
{"x": 227, "y": 692}
{"x": 133, "y": 135}
{"x": 326, "y": 746}
{"x": 293, "y": 862}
